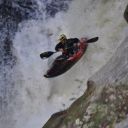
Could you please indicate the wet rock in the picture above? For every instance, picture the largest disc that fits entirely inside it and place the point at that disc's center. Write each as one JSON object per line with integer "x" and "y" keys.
{"x": 112, "y": 97}
{"x": 126, "y": 14}
{"x": 72, "y": 116}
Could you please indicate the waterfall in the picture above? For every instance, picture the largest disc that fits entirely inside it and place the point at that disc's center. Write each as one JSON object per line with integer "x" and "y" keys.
{"x": 36, "y": 97}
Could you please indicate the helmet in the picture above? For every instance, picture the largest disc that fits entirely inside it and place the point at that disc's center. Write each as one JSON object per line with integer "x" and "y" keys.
{"x": 62, "y": 37}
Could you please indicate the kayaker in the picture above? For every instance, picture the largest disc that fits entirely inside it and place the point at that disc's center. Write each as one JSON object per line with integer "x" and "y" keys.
{"x": 67, "y": 46}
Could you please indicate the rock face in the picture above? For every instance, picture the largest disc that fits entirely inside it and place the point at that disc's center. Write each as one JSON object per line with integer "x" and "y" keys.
{"x": 105, "y": 102}
{"x": 126, "y": 14}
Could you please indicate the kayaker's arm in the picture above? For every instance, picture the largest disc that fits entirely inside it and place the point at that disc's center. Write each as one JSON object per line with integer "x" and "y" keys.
{"x": 73, "y": 40}
{"x": 59, "y": 47}
{"x": 76, "y": 40}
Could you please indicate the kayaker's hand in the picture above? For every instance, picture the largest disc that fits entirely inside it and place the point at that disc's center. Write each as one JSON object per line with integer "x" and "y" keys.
{"x": 75, "y": 44}
{"x": 83, "y": 39}
{"x": 65, "y": 52}
{"x": 78, "y": 44}
{"x": 61, "y": 50}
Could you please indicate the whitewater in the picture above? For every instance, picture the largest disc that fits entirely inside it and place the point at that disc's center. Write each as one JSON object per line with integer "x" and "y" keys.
{"x": 37, "y": 98}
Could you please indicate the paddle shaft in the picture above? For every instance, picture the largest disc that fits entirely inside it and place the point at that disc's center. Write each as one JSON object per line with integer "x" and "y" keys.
{"x": 49, "y": 53}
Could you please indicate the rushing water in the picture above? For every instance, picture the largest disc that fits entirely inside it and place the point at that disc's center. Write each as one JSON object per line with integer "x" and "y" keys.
{"x": 36, "y": 97}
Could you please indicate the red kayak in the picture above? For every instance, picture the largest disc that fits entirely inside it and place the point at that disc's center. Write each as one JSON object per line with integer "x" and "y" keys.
{"x": 61, "y": 65}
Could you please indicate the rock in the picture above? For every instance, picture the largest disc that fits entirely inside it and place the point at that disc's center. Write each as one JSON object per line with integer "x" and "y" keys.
{"x": 69, "y": 117}
{"x": 126, "y": 14}
{"x": 112, "y": 97}
{"x": 112, "y": 76}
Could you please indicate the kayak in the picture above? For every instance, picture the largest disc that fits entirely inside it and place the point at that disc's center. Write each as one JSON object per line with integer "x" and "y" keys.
{"x": 61, "y": 65}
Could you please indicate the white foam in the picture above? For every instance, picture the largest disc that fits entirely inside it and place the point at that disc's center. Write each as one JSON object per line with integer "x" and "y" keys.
{"x": 39, "y": 97}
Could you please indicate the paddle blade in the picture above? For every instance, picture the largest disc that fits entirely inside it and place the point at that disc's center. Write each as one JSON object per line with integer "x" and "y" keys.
{"x": 93, "y": 40}
{"x": 46, "y": 54}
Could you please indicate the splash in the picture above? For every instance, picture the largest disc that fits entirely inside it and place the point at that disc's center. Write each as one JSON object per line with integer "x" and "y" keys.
{"x": 38, "y": 97}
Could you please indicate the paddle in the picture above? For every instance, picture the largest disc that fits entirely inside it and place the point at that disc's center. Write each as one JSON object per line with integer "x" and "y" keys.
{"x": 49, "y": 53}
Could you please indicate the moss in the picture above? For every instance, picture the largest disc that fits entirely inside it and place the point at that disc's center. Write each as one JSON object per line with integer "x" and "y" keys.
{"x": 109, "y": 108}
{"x": 99, "y": 117}
{"x": 79, "y": 107}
